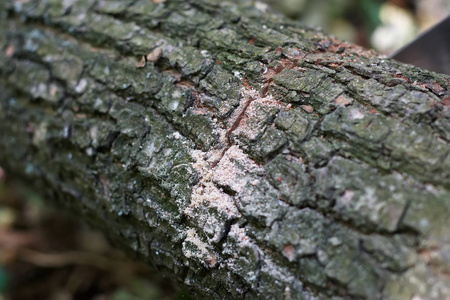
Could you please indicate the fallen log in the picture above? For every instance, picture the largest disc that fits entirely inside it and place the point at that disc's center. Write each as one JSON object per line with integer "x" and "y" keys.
{"x": 241, "y": 154}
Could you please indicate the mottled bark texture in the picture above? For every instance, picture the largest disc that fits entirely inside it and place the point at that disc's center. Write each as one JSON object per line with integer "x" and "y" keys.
{"x": 244, "y": 155}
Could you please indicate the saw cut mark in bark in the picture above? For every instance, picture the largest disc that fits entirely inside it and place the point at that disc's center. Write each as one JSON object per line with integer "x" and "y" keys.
{"x": 246, "y": 157}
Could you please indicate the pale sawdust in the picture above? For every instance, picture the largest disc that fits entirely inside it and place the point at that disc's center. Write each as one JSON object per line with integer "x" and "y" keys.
{"x": 253, "y": 104}
{"x": 202, "y": 250}
{"x": 225, "y": 166}
{"x": 240, "y": 236}
{"x": 233, "y": 169}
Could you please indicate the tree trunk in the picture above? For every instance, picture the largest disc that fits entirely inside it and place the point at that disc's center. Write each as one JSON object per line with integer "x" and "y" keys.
{"x": 240, "y": 153}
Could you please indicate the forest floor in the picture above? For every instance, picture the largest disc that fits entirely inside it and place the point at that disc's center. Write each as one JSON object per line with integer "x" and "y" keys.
{"x": 46, "y": 254}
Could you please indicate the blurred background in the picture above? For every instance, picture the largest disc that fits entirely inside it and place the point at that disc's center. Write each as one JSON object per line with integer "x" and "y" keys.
{"x": 384, "y": 26}
{"x": 47, "y": 255}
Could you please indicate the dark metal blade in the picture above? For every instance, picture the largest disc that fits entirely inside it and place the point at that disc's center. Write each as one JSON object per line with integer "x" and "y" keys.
{"x": 431, "y": 50}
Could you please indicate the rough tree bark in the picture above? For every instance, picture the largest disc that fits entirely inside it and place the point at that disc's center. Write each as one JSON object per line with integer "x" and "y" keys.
{"x": 240, "y": 153}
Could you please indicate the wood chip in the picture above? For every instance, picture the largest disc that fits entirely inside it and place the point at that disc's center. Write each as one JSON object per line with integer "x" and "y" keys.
{"x": 435, "y": 87}
{"x": 154, "y": 55}
{"x": 307, "y": 108}
{"x": 341, "y": 100}
{"x": 289, "y": 252}
{"x": 446, "y": 100}
{"x": 141, "y": 63}
{"x": 9, "y": 51}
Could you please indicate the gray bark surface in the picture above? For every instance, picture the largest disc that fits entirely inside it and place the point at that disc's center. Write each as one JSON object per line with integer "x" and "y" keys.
{"x": 243, "y": 155}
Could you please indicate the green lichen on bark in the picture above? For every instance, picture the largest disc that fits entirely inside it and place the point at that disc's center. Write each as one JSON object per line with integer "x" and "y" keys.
{"x": 240, "y": 153}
